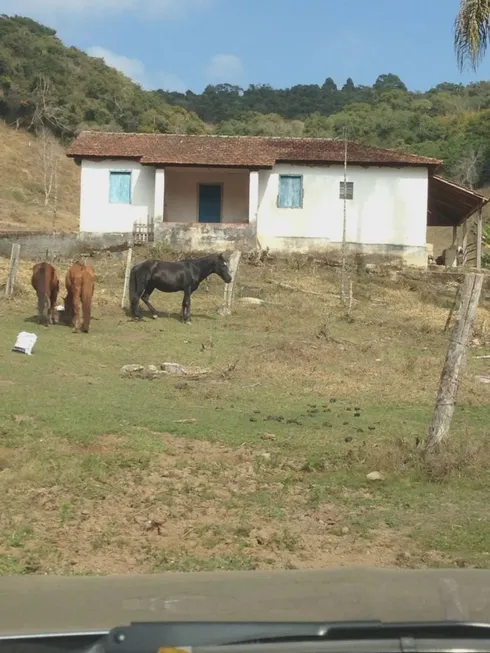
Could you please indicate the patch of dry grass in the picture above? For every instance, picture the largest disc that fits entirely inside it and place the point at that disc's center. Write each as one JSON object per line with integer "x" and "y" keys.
{"x": 22, "y": 205}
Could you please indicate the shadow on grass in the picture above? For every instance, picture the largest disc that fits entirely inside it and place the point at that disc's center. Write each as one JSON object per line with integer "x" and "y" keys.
{"x": 146, "y": 315}
{"x": 32, "y": 320}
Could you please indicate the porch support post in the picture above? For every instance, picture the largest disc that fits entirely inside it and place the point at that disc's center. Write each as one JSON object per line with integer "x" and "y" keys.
{"x": 253, "y": 197}
{"x": 479, "y": 237}
{"x": 455, "y": 234}
{"x": 465, "y": 241}
{"x": 159, "y": 201}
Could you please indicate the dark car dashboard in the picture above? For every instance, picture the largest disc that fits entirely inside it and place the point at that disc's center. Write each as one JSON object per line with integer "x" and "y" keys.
{"x": 262, "y": 637}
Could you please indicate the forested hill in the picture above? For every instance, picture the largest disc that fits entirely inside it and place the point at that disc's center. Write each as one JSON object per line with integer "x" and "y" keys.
{"x": 450, "y": 121}
{"x": 42, "y": 81}
{"x": 68, "y": 91}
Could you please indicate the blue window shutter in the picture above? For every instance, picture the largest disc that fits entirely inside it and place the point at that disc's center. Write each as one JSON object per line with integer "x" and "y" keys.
{"x": 290, "y": 192}
{"x": 120, "y": 188}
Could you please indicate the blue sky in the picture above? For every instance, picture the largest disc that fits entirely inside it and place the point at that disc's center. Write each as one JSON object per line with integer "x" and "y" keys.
{"x": 180, "y": 44}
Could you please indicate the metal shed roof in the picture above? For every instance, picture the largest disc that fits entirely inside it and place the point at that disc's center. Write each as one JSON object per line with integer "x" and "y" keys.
{"x": 450, "y": 204}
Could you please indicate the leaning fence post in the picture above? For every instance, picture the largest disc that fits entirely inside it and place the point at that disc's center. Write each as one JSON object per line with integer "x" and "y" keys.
{"x": 233, "y": 263}
{"x": 126, "y": 277}
{"x": 14, "y": 262}
{"x": 455, "y": 361}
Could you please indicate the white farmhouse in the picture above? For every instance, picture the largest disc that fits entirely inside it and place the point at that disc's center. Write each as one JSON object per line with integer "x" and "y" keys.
{"x": 285, "y": 194}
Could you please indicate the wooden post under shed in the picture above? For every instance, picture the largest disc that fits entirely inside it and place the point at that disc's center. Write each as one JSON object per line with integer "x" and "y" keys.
{"x": 464, "y": 244}
{"x": 479, "y": 237}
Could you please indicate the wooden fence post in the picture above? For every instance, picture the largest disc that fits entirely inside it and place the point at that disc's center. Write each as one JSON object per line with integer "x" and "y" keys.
{"x": 455, "y": 361}
{"x": 456, "y": 302}
{"x": 14, "y": 262}
{"x": 233, "y": 263}
{"x": 126, "y": 277}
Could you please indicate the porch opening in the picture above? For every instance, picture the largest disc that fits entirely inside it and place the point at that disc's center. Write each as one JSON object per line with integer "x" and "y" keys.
{"x": 217, "y": 196}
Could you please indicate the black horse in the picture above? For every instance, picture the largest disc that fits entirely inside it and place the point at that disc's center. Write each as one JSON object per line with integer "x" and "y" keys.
{"x": 173, "y": 276}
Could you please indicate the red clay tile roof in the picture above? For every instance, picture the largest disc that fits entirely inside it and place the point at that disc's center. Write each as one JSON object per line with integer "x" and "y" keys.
{"x": 238, "y": 151}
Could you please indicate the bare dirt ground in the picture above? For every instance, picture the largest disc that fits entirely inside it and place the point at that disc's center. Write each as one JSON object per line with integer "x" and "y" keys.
{"x": 196, "y": 508}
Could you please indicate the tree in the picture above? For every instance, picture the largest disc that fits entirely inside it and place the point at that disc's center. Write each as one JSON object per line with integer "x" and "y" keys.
{"x": 43, "y": 82}
{"x": 472, "y": 32}
{"x": 468, "y": 169}
{"x": 329, "y": 85}
{"x": 50, "y": 158}
{"x": 389, "y": 82}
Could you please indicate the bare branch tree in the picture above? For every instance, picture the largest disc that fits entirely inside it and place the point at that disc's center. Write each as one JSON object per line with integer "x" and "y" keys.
{"x": 46, "y": 111}
{"x": 49, "y": 164}
{"x": 468, "y": 168}
{"x": 56, "y": 162}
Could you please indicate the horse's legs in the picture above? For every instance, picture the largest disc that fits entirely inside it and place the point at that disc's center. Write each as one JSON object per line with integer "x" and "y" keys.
{"x": 186, "y": 306}
{"x": 53, "y": 297}
{"x": 45, "y": 314}
{"x": 41, "y": 307}
{"x": 145, "y": 298}
{"x": 76, "y": 306}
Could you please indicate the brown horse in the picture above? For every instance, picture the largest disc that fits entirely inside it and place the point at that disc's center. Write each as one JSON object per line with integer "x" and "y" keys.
{"x": 80, "y": 283}
{"x": 47, "y": 286}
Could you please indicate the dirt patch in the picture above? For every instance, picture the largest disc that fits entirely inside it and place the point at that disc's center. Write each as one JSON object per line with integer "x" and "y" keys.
{"x": 106, "y": 444}
{"x": 196, "y": 503}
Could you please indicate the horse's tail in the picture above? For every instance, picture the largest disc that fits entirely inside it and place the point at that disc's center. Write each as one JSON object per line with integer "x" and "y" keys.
{"x": 88, "y": 284}
{"x": 137, "y": 284}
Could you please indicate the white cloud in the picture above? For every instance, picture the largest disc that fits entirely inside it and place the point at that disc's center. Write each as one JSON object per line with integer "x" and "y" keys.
{"x": 170, "y": 82}
{"x": 133, "y": 68}
{"x": 225, "y": 68}
{"x": 137, "y": 71}
{"x": 42, "y": 9}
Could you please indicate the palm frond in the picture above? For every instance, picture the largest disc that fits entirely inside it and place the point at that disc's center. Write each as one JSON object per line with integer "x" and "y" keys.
{"x": 472, "y": 32}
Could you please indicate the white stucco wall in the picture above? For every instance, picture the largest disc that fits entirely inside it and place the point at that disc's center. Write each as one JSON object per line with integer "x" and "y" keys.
{"x": 389, "y": 206}
{"x": 97, "y": 214}
{"x": 181, "y": 193}
{"x": 389, "y": 209}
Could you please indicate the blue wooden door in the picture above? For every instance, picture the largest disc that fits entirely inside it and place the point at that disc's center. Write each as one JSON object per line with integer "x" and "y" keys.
{"x": 209, "y": 203}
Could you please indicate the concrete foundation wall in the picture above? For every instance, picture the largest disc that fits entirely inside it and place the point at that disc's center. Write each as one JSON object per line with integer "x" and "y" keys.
{"x": 34, "y": 245}
{"x": 416, "y": 256}
{"x": 206, "y": 237}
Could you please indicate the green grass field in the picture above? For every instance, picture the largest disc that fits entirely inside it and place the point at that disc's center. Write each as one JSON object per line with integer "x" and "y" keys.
{"x": 260, "y": 464}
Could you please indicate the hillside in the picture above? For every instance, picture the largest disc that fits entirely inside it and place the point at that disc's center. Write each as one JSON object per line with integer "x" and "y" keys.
{"x": 65, "y": 89}
{"x": 22, "y": 196}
